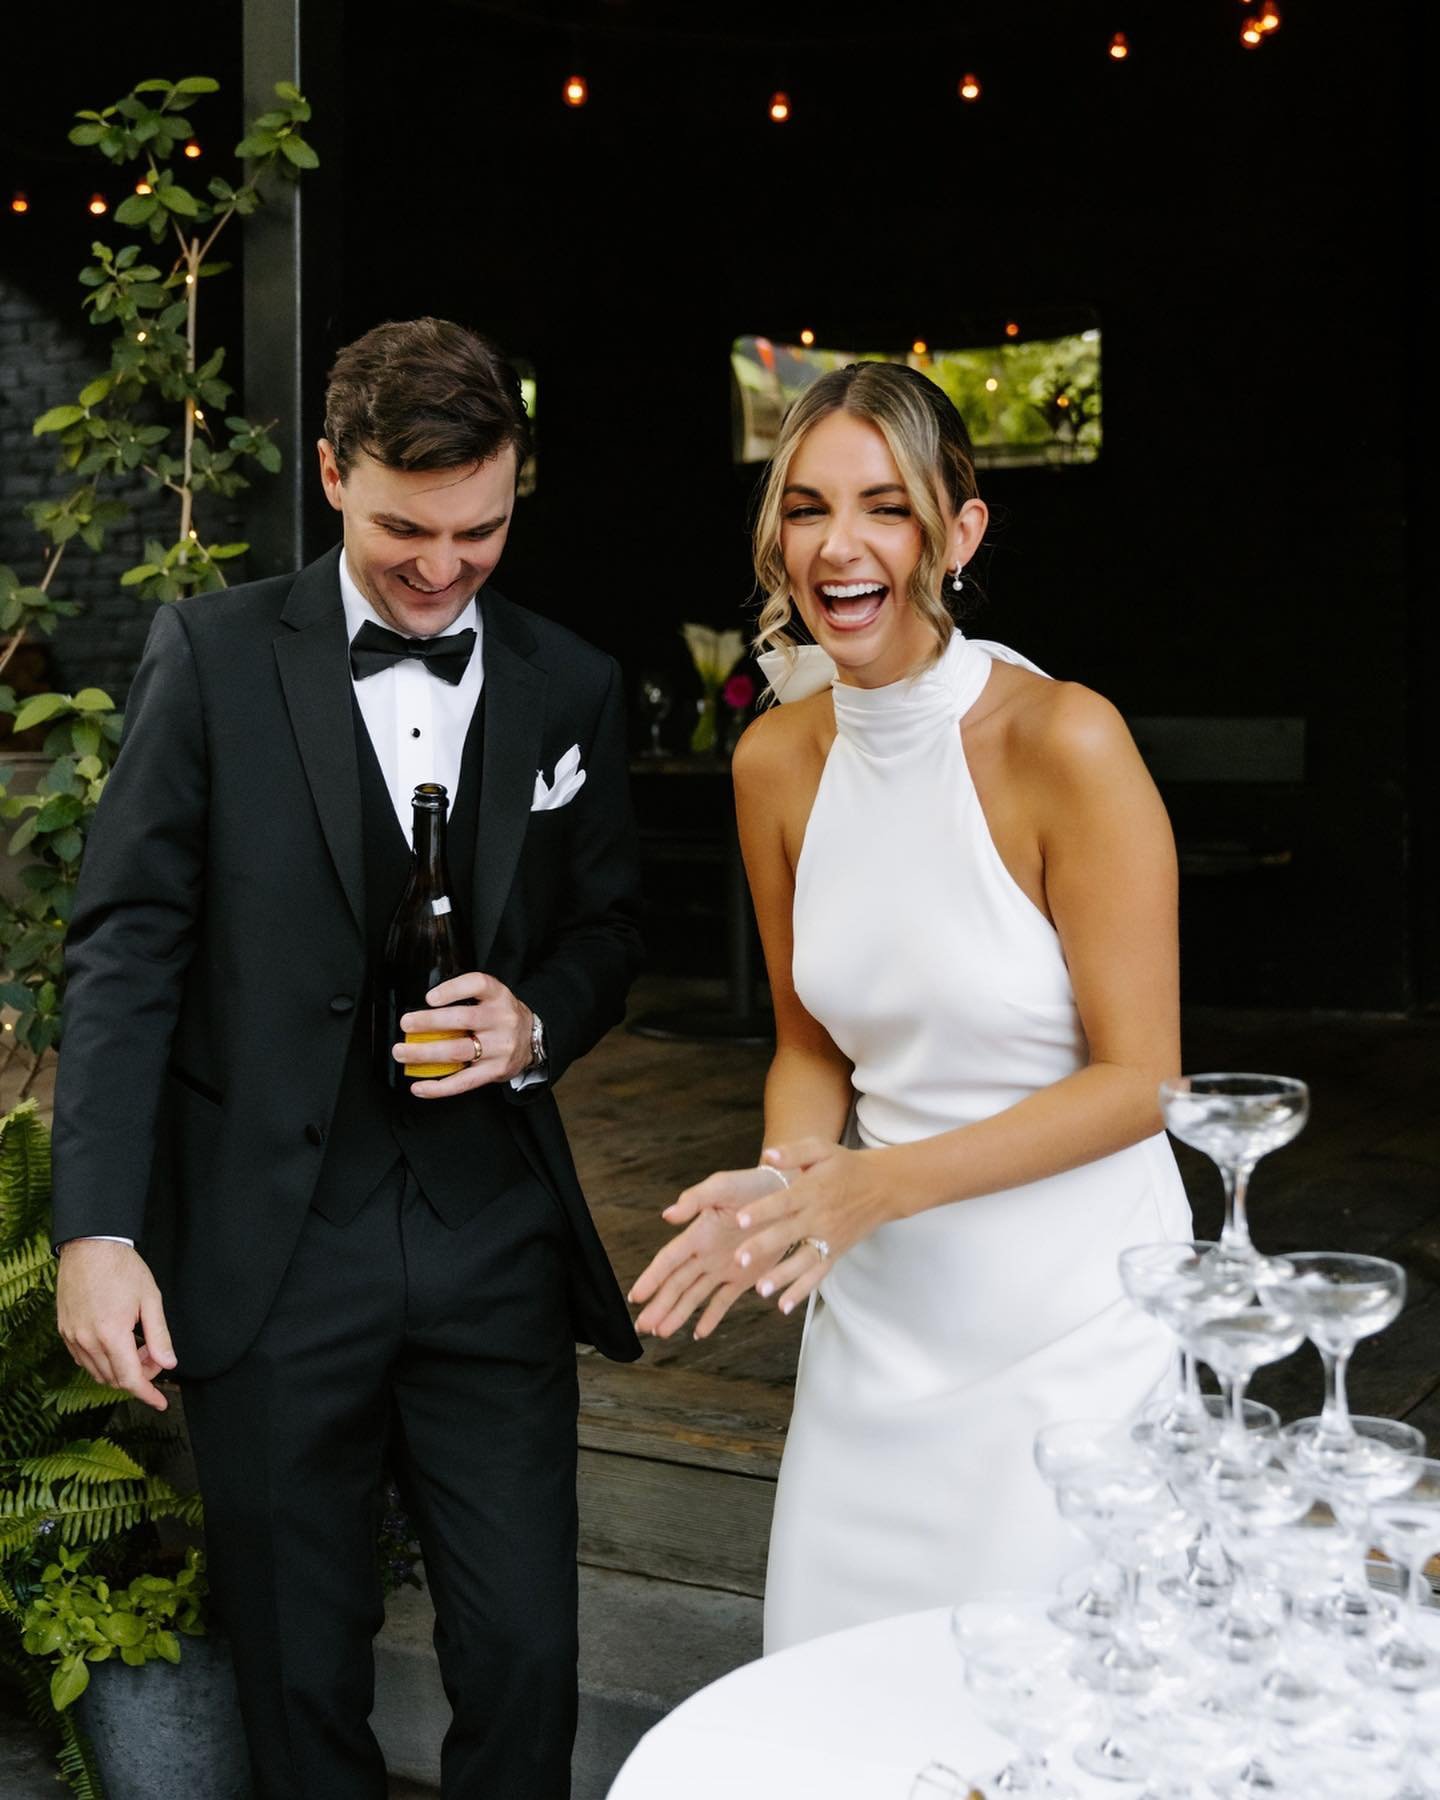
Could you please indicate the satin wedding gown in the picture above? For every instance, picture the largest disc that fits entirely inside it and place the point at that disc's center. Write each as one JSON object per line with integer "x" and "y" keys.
{"x": 935, "y": 1348}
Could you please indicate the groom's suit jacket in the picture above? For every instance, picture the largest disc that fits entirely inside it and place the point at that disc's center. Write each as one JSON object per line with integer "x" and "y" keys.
{"x": 216, "y": 955}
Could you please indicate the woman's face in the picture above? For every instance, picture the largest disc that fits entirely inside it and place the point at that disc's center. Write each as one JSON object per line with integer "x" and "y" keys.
{"x": 851, "y": 543}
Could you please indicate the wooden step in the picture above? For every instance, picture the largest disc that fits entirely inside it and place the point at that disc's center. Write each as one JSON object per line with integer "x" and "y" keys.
{"x": 677, "y": 1473}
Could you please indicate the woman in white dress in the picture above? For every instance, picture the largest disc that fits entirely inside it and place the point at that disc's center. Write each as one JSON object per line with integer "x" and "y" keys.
{"x": 965, "y": 885}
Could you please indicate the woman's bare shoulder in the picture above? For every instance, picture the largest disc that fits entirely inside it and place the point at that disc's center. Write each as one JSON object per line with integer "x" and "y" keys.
{"x": 1064, "y": 729}
{"x": 784, "y": 741}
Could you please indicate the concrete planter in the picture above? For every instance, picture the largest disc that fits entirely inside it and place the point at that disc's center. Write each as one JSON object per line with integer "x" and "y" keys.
{"x": 169, "y": 1731}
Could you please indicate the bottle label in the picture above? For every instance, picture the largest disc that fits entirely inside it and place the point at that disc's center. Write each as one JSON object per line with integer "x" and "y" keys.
{"x": 441, "y": 906}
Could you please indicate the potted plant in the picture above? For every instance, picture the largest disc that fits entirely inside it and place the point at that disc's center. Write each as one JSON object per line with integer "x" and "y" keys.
{"x": 82, "y": 1476}
{"x": 171, "y": 1730}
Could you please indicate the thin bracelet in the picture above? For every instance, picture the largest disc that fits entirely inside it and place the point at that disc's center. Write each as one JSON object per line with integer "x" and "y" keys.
{"x": 779, "y": 1174}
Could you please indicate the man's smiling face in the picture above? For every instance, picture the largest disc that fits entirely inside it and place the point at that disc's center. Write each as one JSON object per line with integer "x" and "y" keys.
{"x": 420, "y": 543}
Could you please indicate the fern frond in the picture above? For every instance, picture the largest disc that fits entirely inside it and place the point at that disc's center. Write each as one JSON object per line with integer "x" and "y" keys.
{"x": 24, "y": 1410}
{"x": 80, "y": 1392}
{"x": 26, "y": 1270}
{"x": 77, "y": 1760}
{"x": 24, "y": 1176}
{"x": 88, "y": 1459}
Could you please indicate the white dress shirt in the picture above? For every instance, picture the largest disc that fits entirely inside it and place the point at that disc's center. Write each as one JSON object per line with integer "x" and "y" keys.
{"x": 417, "y": 723}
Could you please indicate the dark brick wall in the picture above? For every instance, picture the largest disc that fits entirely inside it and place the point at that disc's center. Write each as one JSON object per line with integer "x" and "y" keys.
{"x": 45, "y": 361}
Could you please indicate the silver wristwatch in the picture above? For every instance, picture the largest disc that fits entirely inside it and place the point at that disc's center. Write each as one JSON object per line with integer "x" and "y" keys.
{"x": 538, "y": 1058}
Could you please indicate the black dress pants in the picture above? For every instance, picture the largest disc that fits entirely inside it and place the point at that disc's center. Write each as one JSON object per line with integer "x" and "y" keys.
{"x": 455, "y": 1348}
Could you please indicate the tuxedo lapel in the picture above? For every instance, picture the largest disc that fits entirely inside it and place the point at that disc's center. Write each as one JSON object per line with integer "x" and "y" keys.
{"x": 514, "y": 719}
{"x": 315, "y": 677}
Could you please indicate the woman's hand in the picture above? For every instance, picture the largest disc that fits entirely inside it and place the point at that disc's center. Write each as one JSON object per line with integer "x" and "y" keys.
{"x": 835, "y": 1197}
{"x": 699, "y": 1266}
{"x": 740, "y": 1223}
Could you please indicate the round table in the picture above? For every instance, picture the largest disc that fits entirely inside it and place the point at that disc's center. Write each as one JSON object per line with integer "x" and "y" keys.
{"x": 853, "y": 1716}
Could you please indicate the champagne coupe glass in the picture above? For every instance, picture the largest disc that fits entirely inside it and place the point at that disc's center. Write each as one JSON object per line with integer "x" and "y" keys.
{"x": 1207, "y": 1579}
{"x": 1408, "y": 1530}
{"x": 1147, "y": 1273}
{"x": 1235, "y": 1120}
{"x": 1339, "y": 1299}
{"x": 1235, "y": 1344}
{"x": 1180, "y": 1743}
{"x": 1061, "y": 1450}
{"x": 1247, "y": 1511}
{"x": 1385, "y": 1463}
{"x": 656, "y": 697}
{"x": 1128, "y": 1512}
{"x": 1032, "y": 1702}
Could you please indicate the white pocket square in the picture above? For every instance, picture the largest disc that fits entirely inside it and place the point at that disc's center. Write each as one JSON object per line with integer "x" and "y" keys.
{"x": 569, "y": 779}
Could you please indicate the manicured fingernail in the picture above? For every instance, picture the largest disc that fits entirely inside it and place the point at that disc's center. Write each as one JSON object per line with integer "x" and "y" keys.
{"x": 744, "y": 1259}
{"x": 765, "y": 1289}
{"x": 743, "y": 1221}
{"x": 787, "y": 1306}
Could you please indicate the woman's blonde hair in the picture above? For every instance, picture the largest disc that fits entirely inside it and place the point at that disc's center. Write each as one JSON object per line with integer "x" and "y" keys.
{"x": 932, "y": 451}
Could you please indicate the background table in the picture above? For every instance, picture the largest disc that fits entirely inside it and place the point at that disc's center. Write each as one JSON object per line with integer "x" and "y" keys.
{"x": 853, "y": 1716}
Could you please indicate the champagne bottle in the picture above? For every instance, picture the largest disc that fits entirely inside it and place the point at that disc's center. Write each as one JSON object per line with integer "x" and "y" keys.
{"x": 421, "y": 948}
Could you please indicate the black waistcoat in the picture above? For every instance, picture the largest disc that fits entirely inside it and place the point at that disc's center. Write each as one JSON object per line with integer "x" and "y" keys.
{"x": 461, "y": 1150}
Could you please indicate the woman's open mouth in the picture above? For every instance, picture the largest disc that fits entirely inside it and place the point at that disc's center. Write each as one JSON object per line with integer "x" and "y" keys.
{"x": 851, "y": 605}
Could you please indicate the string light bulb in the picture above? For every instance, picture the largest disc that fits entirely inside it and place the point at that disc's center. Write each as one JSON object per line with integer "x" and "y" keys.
{"x": 1012, "y": 329}
{"x": 991, "y": 384}
{"x": 779, "y": 108}
{"x": 1268, "y": 18}
{"x": 1062, "y": 399}
{"x": 142, "y": 186}
{"x": 99, "y": 205}
{"x": 1251, "y": 34}
{"x": 969, "y": 87}
{"x": 807, "y": 337}
{"x": 140, "y": 336}
{"x": 919, "y": 347}
{"x": 1119, "y": 46}
{"x": 19, "y": 203}
{"x": 577, "y": 91}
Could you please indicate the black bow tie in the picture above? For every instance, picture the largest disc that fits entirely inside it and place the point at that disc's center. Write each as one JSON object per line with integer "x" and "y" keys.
{"x": 373, "y": 649}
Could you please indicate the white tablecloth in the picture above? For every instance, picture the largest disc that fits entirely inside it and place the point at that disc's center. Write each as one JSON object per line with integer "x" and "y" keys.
{"x": 850, "y": 1717}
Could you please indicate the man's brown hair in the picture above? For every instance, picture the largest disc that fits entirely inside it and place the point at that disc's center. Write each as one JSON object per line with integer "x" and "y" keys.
{"x": 424, "y": 394}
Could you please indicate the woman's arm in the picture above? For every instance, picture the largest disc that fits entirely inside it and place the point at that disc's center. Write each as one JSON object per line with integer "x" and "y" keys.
{"x": 1110, "y": 888}
{"x": 807, "y": 1089}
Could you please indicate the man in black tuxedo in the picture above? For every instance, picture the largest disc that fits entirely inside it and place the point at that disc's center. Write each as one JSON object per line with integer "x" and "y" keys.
{"x": 350, "y": 1272}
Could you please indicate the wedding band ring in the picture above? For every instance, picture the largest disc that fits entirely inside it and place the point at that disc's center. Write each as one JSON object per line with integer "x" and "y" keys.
{"x": 477, "y": 1052}
{"x": 819, "y": 1246}
{"x": 779, "y": 1174}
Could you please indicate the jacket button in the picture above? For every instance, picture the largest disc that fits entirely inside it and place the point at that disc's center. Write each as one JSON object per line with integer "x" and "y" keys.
{"x": 315, "y": 1134}
{"x": 342, "y": 1003}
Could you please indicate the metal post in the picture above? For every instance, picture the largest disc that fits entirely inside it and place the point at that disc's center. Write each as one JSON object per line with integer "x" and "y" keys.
{"x": 291, "y": 280}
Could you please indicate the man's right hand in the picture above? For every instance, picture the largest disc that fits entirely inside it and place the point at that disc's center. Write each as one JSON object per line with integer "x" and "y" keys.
{"x": 104, "y": 1290}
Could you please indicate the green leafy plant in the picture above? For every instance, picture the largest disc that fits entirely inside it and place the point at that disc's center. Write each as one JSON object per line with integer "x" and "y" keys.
{"x": 160, "y": 411}
{"x": 77, "y": 1618}
{"x": 77, "y": 1471}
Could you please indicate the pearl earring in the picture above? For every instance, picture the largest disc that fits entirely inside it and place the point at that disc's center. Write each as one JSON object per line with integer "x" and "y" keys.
{"x": 959, "y": 576}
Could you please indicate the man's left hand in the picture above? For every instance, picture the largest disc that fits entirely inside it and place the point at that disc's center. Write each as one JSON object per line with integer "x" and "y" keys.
{"x": 486, "y": 1028}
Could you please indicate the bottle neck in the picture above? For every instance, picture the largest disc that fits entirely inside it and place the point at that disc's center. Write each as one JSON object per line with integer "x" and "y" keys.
{"x": 429, "y": 838}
